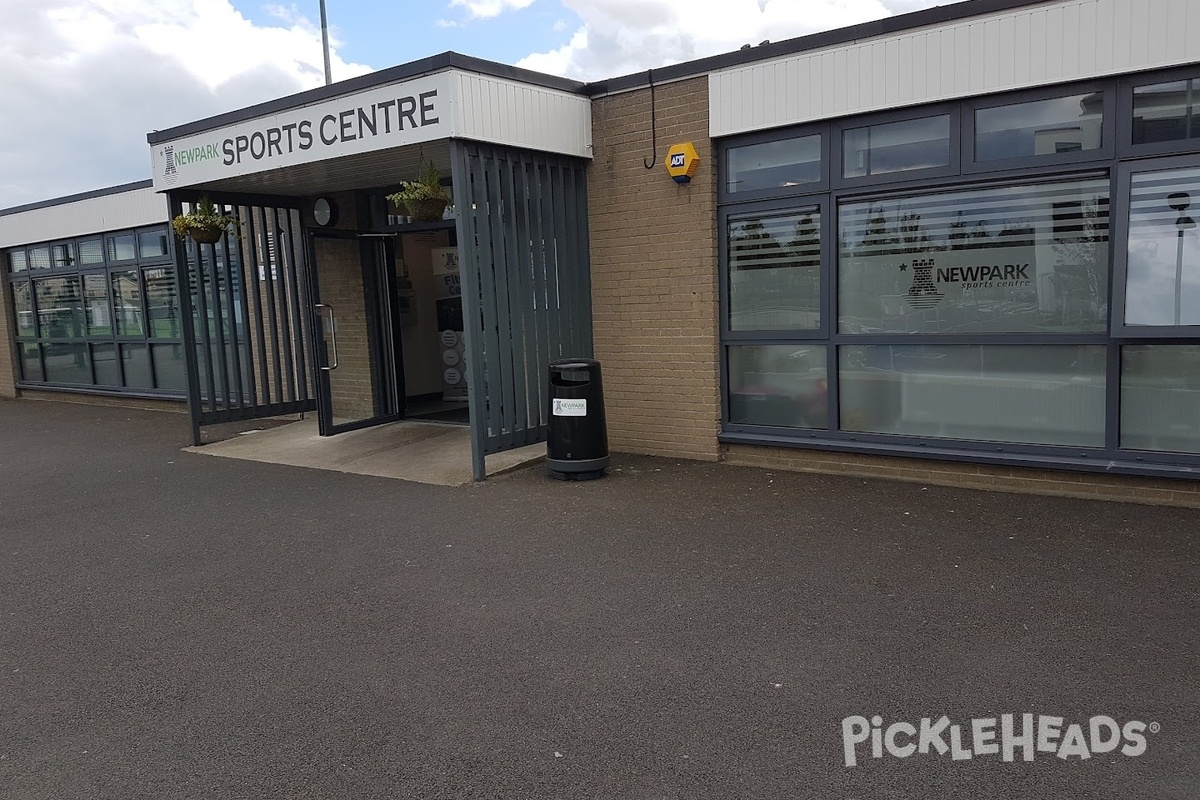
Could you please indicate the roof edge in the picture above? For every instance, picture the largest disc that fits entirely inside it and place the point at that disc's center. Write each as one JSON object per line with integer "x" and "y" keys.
{"x": 75, "y": 198}
{"x": 936, "y": 15}
{"x": 413, "y": 69}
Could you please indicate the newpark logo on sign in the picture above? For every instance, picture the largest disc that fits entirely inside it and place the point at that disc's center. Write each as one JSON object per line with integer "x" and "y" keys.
{"x": 989, "y": 272}
{"x": 380, "y": 118}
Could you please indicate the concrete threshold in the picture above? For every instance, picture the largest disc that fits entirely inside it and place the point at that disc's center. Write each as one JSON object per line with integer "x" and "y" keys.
{"x": 424, "y": 452}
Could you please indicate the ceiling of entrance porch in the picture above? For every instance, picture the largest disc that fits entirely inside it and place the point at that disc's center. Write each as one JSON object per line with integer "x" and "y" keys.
{"x": 377, "y": 169}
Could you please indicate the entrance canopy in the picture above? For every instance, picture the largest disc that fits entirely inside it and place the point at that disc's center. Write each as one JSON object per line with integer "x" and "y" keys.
{"x": 350, "y": 135}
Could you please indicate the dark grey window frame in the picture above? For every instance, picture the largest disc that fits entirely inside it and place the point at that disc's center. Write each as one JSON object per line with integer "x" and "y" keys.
{"x": 1108, "y": 128}
{"x": 824, "y": 130}
{"x": 954, "y": 145}
{"x": 1115, "y": 159}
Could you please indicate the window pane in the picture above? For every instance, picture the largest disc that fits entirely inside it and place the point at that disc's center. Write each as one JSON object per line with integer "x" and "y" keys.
{"x": 1009, "y": 259}
{"x": 170, "y": 366}
{"x": 67, "y": 362}
{"x": 1160, "y": 398}
{"x": 95, "y": 298}
{"x": 127, "y": 300}
{"x": 1165, "y": 112}
{"x": 775, "y": 272}
{"x": 774, "y": 165}
{"x": 39, "y": 258}
{"x": 779, "y": 385}
{"x": 162, "y": 304}
{"x": 91, "y": 251}
{"x": 998, "y": 393}
{"x": 1162, "y": 286}
{"x": 121, "y": 248}
{"x": 23, "y": 308}
{"x": 17, "y": 261}
{"x": 104, "y": 358}
{"x": 62, "y": 255}
{"x": 152, "y": 244}
{"x": 1043, "y": 127}
{"x": 137, "y": 366}
{"x": 60, "y": 308}
{"x": 896, "y": 147}
{"x": 31, "y": 362}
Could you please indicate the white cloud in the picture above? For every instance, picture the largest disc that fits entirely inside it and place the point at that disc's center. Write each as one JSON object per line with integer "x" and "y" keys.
{"x": 623, "y": 36}
{"x": 85, "y": 80}
{"x": 482, "y": 9}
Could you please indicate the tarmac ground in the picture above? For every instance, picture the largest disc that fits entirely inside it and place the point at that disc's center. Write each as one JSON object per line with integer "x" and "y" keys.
{"x": 179, "y": 627}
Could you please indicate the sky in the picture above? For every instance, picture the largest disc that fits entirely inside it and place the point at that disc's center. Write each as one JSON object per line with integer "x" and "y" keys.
{"x": 86, "y": 80}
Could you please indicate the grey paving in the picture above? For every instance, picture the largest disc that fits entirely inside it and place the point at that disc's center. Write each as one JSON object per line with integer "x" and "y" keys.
{"x": 179, "y": 626}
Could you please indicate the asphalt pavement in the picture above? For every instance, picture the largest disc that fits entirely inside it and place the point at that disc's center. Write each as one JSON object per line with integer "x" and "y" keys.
{"x": 176, "y": 627}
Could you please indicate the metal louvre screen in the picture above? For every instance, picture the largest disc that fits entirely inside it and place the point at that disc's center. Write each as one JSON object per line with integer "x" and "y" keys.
{"x": 523, "y": 240}
{"x": 246, "y": 333}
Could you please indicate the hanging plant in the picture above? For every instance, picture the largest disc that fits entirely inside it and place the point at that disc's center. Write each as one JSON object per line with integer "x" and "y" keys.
{"x": 425, "y": 199}
{"x": 204, "y": 223}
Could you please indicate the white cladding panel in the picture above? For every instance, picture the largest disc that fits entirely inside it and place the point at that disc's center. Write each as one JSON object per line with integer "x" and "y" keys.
{"x": 1020, "y": 49}
{"x": 522, "y": 115}
{"x": 97, "y": 214}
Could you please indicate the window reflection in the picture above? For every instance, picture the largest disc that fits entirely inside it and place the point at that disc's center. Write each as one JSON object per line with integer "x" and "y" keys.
{"x": 774, "y": 165}
{"x": 1166, "y": 112}
{"x": 162, "y": 303}
{"x": 778, "y": 385}
{"x": 775, "y": 272}
{"x": 1043, "y": 127}
{"x": 95, "y": 297}
{"x": 22, "y": 295}
{"x": 1160, "y": 397}
{"x": 896, "y": 147}
{"x": 60, "y": 308}
{"x": 17, "y": 261}
{"x": 127, "y": 303}
{"x": 1162, "y": 284}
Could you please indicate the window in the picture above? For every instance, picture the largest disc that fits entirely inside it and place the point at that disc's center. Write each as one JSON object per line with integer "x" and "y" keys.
{"x": 1000, "y": 393}
{"x": 896, "y": 147}
{"x": 1162, "y": 285}
{"x": 152, "y": 244}
{"x": 775, "y": 271}
{"x": 1013, "y": 259}
{"x": 778, "y": 385}
{"x": 1040, "y": 128}
{"x": 60, "y": 308}
{"x": 1166, "y": 112}
{"x": 95, "y": 298}
{"x": 17, "y": 261}
{"x": 162, "y": 304}
{"x": 39, "y": 258}
{"x": 62, "y": 255}
{"x": 91, "y": 251}
{"x": 121, "y": 247}
{"x": 774, "y": 165}
{"x": 23, "y": 308}
{"x": 1160, "y": 397}
{"x": 127, "y": 303}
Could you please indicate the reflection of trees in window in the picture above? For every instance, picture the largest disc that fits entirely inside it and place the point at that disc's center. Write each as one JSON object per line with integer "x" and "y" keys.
{"x": 1080, "y": 244}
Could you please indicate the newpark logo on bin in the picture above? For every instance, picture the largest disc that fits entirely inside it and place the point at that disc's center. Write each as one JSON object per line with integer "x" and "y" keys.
{"x": 1001, "y": 737}
{"x": 570, "y": 408}
{"x": 928, "y": 278}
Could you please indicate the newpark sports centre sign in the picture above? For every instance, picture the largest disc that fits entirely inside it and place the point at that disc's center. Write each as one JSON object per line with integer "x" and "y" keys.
{"x": 418, "y": 110}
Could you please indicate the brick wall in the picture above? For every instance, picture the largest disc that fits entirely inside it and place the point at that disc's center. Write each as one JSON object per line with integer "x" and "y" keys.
{"x": 339, "y": 275}
{"x": 654, "y": 274}
{"x": 8, "y": 367}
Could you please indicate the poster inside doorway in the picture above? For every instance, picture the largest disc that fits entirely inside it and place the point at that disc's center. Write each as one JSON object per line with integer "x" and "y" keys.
{"x": 450, "y": 322}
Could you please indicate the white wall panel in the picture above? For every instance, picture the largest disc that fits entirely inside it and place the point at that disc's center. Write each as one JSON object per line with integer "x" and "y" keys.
{"x": 107, "y": 213}
{"x": 507, "y": 112}
{"x": 1055, "y": 42}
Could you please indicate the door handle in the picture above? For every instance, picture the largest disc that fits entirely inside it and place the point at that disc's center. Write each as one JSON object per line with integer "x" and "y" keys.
{"x": 332, "y": 335}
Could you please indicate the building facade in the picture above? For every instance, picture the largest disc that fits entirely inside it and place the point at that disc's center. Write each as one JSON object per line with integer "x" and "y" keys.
{"x": 957, "y": 246}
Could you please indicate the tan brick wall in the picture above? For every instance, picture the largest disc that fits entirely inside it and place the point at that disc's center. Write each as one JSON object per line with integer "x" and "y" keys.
{"x": 8, "y": 368}
{"x": 339, "y": 276}
{"x": 654, "y": 274}
{"x": 1157, "y": 491}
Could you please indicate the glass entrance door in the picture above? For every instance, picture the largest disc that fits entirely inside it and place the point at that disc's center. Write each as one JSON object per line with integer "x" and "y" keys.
{"x": 356, "y": 332}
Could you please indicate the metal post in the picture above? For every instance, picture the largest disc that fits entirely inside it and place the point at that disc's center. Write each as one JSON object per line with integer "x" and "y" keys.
{"x": 325, "y": 44}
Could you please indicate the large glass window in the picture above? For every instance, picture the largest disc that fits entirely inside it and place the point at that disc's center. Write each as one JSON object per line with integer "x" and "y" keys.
{"x": 1042, "y": 127}
{"x": 1160, "y": 397}
{"x": 778, "y": 385}
{"x": 60, "y": 308}
{"x": 1166, "y": 112}
{"x": 1162, "y": 285}
{"x": 774, "y": 165}
{"x": 1023, "y": 258}
{"x": 999, "y": 393}
{"x": 896, "y": 147}
{"x": 127, "y": 303}
{"x": 95, "y": 298}
{"x": 22, "y": 296}
{"x": 775, "y": 271}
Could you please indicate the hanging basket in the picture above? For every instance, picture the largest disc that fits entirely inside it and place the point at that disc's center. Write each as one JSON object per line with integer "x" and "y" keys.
{"x": 430, "y": 209}
{"x": 207, "y": 234}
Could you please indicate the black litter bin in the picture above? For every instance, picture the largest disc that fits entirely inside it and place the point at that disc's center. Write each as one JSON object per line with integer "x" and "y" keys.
{"x": 577, "y": 439}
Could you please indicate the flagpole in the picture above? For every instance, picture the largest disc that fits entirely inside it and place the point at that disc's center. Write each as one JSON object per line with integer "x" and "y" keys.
{"x": 325, "y": 44}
